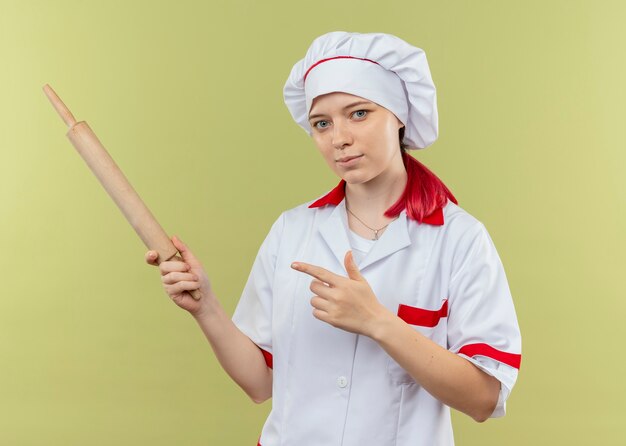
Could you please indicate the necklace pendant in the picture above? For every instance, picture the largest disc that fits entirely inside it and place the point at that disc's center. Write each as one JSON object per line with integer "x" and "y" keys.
{"x": 376, "y": 234}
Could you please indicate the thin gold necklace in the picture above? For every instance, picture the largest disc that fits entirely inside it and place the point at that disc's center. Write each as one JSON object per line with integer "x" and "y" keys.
{"x": 372, "y": 229}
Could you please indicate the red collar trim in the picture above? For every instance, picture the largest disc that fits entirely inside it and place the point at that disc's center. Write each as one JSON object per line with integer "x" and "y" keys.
{"x": 335, "y": 196}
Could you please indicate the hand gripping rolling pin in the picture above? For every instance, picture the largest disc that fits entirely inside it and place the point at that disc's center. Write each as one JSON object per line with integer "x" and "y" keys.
{"x": 113, "y": 180}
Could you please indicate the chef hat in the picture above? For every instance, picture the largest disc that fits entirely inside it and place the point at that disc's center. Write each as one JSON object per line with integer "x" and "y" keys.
{"x": 379, "y": 67}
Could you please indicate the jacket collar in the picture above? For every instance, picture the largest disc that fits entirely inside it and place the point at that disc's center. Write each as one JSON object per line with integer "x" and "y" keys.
{"x": 393, "y": 239}
{"x": 336, "y": 196}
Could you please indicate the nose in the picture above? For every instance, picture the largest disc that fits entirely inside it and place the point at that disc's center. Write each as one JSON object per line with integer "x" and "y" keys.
{"x": 341, "y": 135}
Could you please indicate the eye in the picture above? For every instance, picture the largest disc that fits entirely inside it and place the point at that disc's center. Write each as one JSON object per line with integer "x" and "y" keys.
{"x": 319, "y": 126}
{"x": 360, "y": 113}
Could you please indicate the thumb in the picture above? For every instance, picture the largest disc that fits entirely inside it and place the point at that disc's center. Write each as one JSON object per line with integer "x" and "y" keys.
{"x": 185, "y": 253}
{"x": 351, "y": 267}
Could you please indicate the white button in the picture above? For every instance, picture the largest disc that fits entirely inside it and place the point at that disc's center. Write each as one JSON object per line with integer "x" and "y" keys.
{"x": 342, "y": 381}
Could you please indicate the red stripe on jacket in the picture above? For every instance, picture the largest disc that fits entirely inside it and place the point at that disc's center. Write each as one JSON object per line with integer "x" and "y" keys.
{"x": 269, "y": 359}
{"x": 430, "y": 318}
{"x": 422, "y": 317}
{"x": 511, "y": 359}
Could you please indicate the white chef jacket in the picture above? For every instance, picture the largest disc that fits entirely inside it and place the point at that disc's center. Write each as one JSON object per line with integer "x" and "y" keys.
{"x": 331, "y": 387}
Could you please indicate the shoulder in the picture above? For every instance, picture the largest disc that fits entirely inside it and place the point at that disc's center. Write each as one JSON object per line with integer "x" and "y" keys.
{"x": 458, "y": 221}
{"x": 467, "y": 240}
{"x": 304, "y": 211}
{"x": 461, "y": 232}
{"x": 290, "y": 220}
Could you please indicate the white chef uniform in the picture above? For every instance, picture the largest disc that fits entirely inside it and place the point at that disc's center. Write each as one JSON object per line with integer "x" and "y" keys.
{"x": 442, "y": 276}
{"x": 332, "y": 387}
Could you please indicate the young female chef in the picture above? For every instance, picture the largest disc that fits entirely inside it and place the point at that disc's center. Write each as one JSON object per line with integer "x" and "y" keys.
{"x": 373, "y": 309}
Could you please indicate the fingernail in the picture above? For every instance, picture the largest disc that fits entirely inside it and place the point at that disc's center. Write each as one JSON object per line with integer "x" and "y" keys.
{"x": 295, "y": 265}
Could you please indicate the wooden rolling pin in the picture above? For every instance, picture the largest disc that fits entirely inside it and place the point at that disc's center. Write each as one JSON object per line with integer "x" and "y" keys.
{"x": 115, "y": 183}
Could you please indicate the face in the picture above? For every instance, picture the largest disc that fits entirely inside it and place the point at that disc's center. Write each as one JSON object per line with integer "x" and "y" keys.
{"x": 357, "y": 138}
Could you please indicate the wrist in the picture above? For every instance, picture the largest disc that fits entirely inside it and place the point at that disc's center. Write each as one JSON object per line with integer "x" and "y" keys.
{"x": 209, "y": 307}
{"x": 382, "y": 324}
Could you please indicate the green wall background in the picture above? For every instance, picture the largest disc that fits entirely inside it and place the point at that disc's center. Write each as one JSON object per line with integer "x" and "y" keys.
{"x": 187, "y": 97}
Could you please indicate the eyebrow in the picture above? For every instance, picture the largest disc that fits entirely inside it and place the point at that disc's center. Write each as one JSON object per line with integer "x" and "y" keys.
{"x": 317, "y": 115}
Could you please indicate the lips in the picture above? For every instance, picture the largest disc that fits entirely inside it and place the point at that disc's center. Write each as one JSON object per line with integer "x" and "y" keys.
{"x": 348, "y": 158}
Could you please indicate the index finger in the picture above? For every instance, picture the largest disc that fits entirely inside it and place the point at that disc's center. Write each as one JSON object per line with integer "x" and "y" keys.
{"x": 170, "y": 266}
{"x": 318, "y": 272}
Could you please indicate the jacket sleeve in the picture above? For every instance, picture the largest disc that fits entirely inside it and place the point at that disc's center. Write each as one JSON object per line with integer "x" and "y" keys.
{"x": 482, "y": 324}
{"x": 253, "y": 314}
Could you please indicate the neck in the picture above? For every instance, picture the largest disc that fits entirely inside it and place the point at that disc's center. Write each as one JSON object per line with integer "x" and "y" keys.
{"x": 372, "y": 198}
